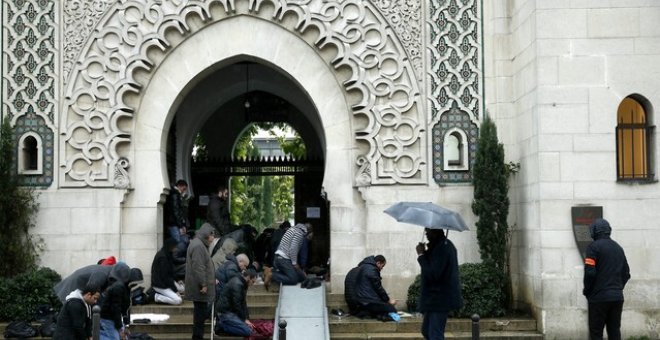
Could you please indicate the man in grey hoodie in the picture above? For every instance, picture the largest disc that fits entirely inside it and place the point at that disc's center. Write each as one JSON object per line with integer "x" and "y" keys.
{"x": 200, "y": 278}
{"x": 74, "y": 322}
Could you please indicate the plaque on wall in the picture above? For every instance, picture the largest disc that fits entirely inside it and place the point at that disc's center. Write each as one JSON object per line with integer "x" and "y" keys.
{"x": 582, "y": 217}
{"x": 313, "y": 212}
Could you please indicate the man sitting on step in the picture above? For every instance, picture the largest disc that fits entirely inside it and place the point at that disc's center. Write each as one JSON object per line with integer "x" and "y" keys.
{"x": 364, "y": 292}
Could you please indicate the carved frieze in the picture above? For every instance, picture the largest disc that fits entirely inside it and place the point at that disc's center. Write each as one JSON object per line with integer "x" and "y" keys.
{"x": 405, "y": 17}
{"x": 80, "y": 17}
{"x": 454, "y": 77}
{"x": 30, "y": 76}
{"x": 391, "y": 126}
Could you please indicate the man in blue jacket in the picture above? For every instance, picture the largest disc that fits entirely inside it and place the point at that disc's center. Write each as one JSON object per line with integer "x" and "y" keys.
{"x": 606, "y": 273}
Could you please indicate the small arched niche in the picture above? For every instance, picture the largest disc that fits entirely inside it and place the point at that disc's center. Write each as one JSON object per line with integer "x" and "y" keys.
{"x": 30, "y": 154}
{"x": 455, "y": 150}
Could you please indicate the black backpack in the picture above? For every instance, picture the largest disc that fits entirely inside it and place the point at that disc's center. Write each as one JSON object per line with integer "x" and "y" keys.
{"x": 20, "y": 329}
{"x": 139, "y": 297}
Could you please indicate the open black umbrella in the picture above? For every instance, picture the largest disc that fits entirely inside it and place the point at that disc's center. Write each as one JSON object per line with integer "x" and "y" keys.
{"x": 428, "y": 215}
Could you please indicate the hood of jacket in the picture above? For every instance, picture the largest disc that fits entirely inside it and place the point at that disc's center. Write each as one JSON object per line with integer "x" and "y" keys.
{"x": 204, "y": 231}
{"x": 120, "y": 272}
{"x": 370, "y": 260}
{"x": 600, "y": 228}
{"x": 76, "y": 294}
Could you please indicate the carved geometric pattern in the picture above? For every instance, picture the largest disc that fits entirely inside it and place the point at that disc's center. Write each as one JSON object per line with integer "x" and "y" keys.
{"x": 459, "y": 119}
{"x": 80, "y": 18}
{"x": 455, "y": 72}
{"x": 387, "y": 112}
{"x": 30, "y": 122}
{"x": 30, "y": 75}
{"x": 405, "y": 17}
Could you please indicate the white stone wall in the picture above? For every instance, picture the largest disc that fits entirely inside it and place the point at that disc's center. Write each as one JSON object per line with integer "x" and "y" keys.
{"x": 568, "y": 65}
{"x": 79, "y": 227}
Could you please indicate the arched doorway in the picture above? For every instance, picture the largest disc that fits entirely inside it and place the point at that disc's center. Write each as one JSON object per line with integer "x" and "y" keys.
{"x": 267, "y": 96}
{"x": 171, "y": 95}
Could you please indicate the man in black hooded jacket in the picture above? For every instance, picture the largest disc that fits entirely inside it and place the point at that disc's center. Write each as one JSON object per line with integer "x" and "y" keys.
{"x": 162, "y": 275}
{"x": 233, "y": 315}
{"x": 606, "y": 273}
{"x": 364, "y": 293}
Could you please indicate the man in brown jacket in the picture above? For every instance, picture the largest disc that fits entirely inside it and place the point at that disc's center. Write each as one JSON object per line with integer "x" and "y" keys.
{"x": 200, "y": 279}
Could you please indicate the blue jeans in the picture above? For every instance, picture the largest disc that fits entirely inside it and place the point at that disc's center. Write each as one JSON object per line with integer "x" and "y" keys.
{"x": 181, "y": 240}
{"x": 433, "y": 327}
{"x": 174, "y": 233}
{"x": 231, "y": 324}
{"x": 285, "y": 273}
{"x": 108, "y": 330}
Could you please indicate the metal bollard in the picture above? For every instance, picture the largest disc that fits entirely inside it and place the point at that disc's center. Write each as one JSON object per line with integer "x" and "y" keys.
{"x": 475, "y": 327}
{"x": 282, "y": 330}
{"x": 96, "y": 322}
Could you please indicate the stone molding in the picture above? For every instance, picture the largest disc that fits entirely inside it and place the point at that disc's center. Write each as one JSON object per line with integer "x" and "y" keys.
{"x": 388, "y": 119}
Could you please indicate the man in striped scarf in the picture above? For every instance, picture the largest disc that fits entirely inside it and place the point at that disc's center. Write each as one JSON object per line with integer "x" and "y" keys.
{"x": 286, "y": 268}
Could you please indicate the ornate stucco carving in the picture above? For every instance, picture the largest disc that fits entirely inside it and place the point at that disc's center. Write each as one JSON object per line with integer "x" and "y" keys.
{"x": 454, "y": 77}
{"x": 405, "y": 17}
{"x": 30, "y": 76}
{"x": 388, "y": 115}
{"x": 80, "y": 18}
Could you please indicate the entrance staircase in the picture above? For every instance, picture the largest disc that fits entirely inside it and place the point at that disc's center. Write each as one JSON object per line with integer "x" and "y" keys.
{"x": 262, "y": 305}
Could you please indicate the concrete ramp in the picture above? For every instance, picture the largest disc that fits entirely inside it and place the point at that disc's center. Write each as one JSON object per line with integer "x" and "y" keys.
{"x": 305, "y": 313}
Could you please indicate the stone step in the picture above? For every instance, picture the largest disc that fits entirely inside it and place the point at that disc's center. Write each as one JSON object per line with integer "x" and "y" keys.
{"x": 186, "y": 308}
{"x": 413, "y": 324}
{"x": 351, "y": 325}
{"x": 492, "y": 335}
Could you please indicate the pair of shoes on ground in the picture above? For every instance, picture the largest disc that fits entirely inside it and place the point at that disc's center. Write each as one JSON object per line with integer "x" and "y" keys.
{"x": 311, "y": 283}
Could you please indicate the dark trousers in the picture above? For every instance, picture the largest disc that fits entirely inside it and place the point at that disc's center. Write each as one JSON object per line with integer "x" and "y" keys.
{"x": 375, "y": 309}
{"x": 433, "y": 326}
{"x": 285, "y": 273}
{"x": 200, "y": 311}
{"x": 608, "y": 315}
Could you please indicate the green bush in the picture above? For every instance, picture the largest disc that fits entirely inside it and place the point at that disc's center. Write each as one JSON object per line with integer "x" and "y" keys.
{"x": 21, "y": 295}
{"x": 480, "y": 289}
{"x": 480, "y": 286}
{"x": 413, "y": 294}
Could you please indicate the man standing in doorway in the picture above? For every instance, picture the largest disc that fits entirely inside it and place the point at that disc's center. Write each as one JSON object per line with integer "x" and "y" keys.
{"x": 177, "y": 222}
{"x": 606, "y": 273}
{"x": 218, "y": 211}
{"x": 200, "y": 278}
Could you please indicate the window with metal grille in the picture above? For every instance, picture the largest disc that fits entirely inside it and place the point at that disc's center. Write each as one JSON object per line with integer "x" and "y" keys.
{"x": 634, "y": 137}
